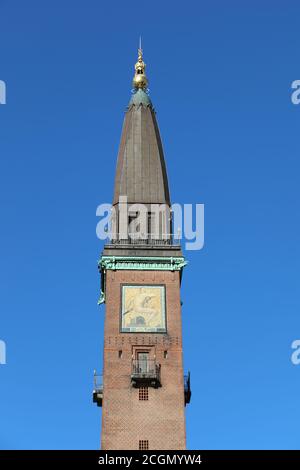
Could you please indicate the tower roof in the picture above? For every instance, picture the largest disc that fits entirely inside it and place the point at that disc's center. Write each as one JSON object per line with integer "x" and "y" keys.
{"x": 141, "y": 171}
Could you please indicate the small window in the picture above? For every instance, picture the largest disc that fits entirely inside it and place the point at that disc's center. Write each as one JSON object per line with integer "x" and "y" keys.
{"x": 120, "y": 354}
{"x": 143, "y": 445}
{"x": 143, "y": 394}
{"x": 165, "y": 354}
{"x": 133, "y": 226}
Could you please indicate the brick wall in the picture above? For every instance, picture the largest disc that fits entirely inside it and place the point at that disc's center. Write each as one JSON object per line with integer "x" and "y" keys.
{"x": 125, "y": 419}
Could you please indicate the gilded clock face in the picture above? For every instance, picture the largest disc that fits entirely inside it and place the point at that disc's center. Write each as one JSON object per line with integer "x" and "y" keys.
{"x": 143, "y": 309}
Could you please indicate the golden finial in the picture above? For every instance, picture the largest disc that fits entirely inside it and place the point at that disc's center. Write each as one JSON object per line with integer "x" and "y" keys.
{"x": 140, "y": 79}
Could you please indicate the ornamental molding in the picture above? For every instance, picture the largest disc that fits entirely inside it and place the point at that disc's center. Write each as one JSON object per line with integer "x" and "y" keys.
{"x": 144, "y": 263}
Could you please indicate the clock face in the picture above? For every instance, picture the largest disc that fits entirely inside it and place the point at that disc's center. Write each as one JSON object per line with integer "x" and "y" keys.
{"x": 143, "y": 309}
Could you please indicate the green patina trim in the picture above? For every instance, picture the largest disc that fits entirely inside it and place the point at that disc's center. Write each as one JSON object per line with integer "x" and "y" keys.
{"x": 143, "y": 263}
{"x": 140, "y": 97}
{"x": 101, "y": 298}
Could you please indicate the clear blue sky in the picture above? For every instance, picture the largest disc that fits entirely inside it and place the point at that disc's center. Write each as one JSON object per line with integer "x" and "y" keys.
{"x": 220, "y": 75}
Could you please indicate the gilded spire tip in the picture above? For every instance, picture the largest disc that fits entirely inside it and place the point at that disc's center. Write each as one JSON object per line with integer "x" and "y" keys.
{"x": 140, "y": 80}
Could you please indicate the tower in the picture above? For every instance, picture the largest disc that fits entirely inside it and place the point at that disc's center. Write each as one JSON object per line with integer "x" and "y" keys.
{"x": 144, "y": 391}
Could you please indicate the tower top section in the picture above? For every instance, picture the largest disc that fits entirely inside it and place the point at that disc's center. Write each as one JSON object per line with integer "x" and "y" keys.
{"x": 141, "y": 179}
{"x": 141, "y": 171}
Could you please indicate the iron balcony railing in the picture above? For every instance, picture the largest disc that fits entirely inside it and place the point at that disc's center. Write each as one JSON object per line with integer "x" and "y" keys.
{"x": 145, "y": 239}
{"x": 145, "y": 373}
{"x": 98, "y": 389}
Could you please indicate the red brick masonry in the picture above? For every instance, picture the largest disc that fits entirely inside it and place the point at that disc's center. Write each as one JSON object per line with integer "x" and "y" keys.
{"x": 126, "y": 420}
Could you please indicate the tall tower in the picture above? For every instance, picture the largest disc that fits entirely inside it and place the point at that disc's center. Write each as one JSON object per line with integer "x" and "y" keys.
{"x": 144, "y": 390}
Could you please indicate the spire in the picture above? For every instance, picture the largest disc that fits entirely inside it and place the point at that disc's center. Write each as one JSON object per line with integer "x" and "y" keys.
{"x": 141, "y": 171}
{"x": 140, "y": 80}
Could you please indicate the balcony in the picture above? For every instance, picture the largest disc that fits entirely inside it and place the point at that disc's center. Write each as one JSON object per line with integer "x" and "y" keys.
{"x": 98, "y": 389}
{"x": 187, "y": 389}
{"x": 145, "y": 374}
{"x": 137, "y": 239}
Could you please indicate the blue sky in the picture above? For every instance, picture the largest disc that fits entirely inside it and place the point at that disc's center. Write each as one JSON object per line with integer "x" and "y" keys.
{"x": 220, "y": 76}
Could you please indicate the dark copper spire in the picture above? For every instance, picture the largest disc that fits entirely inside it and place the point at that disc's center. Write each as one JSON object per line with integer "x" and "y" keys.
{"x": 141, "y": 172}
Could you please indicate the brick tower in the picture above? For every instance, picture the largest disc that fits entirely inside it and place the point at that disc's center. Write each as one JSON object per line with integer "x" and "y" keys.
{"x": 144, "y": 390}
